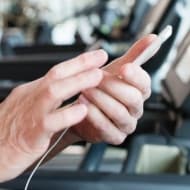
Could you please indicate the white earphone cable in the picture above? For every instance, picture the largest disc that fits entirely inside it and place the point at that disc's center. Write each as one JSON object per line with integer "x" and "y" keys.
{"x": 43, "y": 157}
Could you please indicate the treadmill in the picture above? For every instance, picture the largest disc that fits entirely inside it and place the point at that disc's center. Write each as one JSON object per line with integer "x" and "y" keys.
{"x": 84, "y": 178}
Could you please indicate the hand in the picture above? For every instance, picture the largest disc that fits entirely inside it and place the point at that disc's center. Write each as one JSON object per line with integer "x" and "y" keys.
{"x": 117, "y": 103}
{"x": 31, "y": 114}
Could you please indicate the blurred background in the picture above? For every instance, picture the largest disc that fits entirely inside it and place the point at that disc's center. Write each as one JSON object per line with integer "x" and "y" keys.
{"x": 37, "y": 34}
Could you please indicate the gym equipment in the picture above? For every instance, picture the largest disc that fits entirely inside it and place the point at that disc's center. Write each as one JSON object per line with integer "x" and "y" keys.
{"x": 165, "y": 119}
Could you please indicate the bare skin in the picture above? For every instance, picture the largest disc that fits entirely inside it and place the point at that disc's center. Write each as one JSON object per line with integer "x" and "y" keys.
{"x": 107, "y": 110}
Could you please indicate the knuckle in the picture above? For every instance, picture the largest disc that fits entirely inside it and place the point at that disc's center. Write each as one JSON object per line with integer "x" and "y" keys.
{"x": 21, "y": 87}
{"x": 81, "y": 81}
{"x": 137, "y": 99}
{"x": 137, "y": 111}
{"x": 147, "y": 94}
{"x": 86, "y": 79}
{"x": 132, "y": 127}
{"x": 148, "y": 78}
{"x": 140, "y": 113}
{"x": 50, "y": 91}
{"x": 119, "y": 139}
{"x": 18, "y": 89}
{"x": 129, "y": 127}
{"x": 122, "y": 116}
{"x": 122, "y": 113}
{"x": 53, "y": 72}
{"x": 81, "y": 78}
{"x": 126, "y": 72}
{"x": 147, "y": 85}
{"x": 83, "y": 59}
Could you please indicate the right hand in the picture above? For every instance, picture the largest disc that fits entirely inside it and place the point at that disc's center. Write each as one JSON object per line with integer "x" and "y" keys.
{"x": 115, "y": 106}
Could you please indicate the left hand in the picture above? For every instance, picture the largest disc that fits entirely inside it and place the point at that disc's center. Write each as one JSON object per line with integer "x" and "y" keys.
{"x": 115, "y": 106}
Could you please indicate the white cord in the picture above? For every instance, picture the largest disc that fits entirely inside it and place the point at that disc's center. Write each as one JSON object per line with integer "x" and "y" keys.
{"x": 43, "y": 157}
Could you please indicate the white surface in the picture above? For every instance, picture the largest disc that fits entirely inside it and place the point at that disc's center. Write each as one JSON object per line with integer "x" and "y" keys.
{"x": 183, "y": 68}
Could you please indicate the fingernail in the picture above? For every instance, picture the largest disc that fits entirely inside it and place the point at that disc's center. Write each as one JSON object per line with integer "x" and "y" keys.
{"x": 82, "y": 108}
{"x": 100, "y": 55}
{"x": 83, "y": 100}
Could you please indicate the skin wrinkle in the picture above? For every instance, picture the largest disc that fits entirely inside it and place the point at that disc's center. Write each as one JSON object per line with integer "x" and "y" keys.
{"x": 13, "y": 128}
{"x": 101, "y": 129}
{"x": 24, "y": 104}
{"x": 22, "y": 150}
{"x": 81, "y": 129}
{"x": 10, "y": 145}
{"x": 122, "y": 124}
{"x": 5, "y": 131}
{"x": 24, "y": 135}
{"x": 114, "y": 85}
{"x": 129, "y": 72}
{"x": 32, "y": 118}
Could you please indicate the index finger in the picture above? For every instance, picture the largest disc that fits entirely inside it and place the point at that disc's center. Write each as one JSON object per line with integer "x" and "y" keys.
{"x": 79, "y": 64}
{"x": 131, "y": 54}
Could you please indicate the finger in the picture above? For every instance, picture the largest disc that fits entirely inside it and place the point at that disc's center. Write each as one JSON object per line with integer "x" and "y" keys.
{"x": 131, "y": 54}
{"x": 128, "y": 95}
{"x": 113, "y": 109}
{"x": 137, "y": 77}
{"x": 59, "y": 91}
{"x": 104, "y": 129}
{"x": 64, "y": 118}
{"x": 84, "y": 62}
